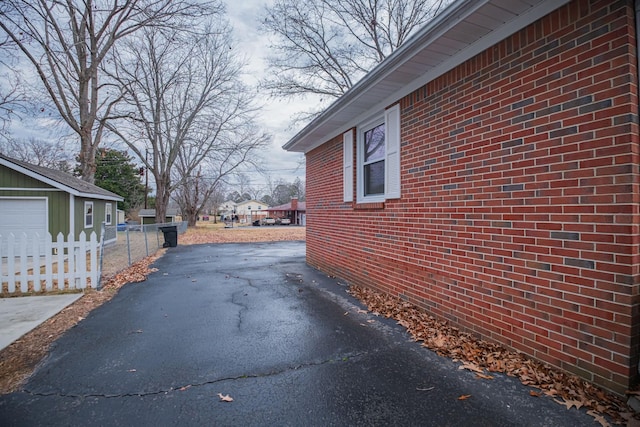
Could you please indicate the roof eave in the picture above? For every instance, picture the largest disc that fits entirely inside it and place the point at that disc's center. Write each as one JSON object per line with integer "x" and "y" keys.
{"x": 100, "y": 196}
{"x": 52, "y": 182}
{"x": 39, "y": 177}
{"x": 314, "y": 134}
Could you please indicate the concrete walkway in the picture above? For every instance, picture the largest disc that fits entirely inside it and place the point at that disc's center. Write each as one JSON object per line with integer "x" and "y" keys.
{"x": 22, "y": 314}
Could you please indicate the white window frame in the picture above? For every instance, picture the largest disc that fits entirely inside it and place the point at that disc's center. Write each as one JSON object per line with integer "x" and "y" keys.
{"x": 108, "y": 213}
{"x": 362, "y": 129}
{"x": 391, "y": 120}
{"x": 88, "y": 215}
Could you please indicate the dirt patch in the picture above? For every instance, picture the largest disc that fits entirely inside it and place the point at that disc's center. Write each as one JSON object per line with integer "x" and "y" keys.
{"x": 219, "y": 234}
{"x": 18, "y": 360}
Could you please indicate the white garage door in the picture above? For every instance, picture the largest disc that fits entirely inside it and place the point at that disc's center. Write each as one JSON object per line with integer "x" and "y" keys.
{"x": 22, "y": 215}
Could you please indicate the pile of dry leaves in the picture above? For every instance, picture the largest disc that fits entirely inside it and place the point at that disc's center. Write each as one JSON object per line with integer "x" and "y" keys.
{"x": 483, "y": 357}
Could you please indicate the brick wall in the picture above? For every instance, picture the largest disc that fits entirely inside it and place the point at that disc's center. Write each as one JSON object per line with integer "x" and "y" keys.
{"x": 519, "y": 212}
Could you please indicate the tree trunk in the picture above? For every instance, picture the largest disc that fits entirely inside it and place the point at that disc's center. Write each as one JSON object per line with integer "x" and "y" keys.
{"x": 162, "y": 198}
{"x": 87, "y": 159}
{"x": 191, "y": 218}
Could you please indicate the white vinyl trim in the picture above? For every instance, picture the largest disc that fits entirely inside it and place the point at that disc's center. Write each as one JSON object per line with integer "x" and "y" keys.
{"x": 347, "y": 169}
{"x": 392, "y": 151}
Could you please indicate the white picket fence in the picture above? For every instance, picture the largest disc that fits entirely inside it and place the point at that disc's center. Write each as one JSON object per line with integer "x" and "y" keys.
{"x": 33, "y": 264}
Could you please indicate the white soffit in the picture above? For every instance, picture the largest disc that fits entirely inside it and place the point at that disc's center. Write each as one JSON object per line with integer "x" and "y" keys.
{"x": 465, "y": 29}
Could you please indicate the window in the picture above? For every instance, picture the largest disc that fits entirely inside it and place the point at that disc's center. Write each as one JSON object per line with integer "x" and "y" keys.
{"x": 107, "y": 213}
{"x": 88, "y": 214}
{"x": 378, "y": 159}
{"x": 373, "y": 160}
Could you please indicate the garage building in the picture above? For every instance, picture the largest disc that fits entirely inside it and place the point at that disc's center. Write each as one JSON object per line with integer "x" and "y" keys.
{"x": 36, "y": 200}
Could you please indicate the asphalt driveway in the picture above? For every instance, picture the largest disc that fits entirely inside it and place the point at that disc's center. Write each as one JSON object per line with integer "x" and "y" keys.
{"x": 287, "y": 343}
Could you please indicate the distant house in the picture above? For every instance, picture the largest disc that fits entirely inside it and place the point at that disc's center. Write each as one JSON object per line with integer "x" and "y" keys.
{"x": 488, "y": 171}
{"x": 247, "y": 211}
{"x": 120, "y": 216}
{"x": 39, "y": 200}
{"x": 227, "y": 209}
{"x": 294, "y": 210}
{"x": 251, "y": 210}
{"x": 148, "y": 216}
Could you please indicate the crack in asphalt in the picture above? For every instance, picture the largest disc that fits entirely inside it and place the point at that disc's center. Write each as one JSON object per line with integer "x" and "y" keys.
{"x": 234, "y": 298}
{"x": 343, "y": 358}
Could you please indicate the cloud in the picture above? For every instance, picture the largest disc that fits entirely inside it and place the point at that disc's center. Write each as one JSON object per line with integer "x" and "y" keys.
{"x": 277, "y": 115}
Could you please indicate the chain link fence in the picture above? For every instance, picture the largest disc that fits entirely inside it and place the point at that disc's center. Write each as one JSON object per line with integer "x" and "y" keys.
{"x": 133, "y": 243}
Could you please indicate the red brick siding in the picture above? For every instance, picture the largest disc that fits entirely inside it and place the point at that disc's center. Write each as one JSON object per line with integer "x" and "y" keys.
{"x": 519, "y": 212}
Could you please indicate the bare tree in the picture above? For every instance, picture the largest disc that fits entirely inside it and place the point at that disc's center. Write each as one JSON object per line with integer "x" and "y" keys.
{"x": 237, "y": 149}
{"x": 12, "y": 93}
{"x": 50, "y": 154}
{"x": 324, "y": 47}
{"x": 193, "y": 195}
{"x": 298, "y": 189}
{"x": 67, "y": 43}
{"x": 186, "y": 107}
{"x": 12, "y": 98}
{"x": 215, "y": 201}
{"x": 243, "y": 184}
{"x": 255, "y": 192}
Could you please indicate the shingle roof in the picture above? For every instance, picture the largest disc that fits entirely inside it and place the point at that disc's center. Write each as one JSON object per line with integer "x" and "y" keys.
{"x": 302, "y": 206}
{"x": 152, "y": 212}
{"x": 59, "y": 179}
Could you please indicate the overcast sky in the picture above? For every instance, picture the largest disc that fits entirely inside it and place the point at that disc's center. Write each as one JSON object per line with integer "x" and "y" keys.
{"x": 276, "y": 116}
{"x": 244, "y": 15}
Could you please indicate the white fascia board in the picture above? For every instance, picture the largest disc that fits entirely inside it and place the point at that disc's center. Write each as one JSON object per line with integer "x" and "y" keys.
{"x": 100, "y": 197}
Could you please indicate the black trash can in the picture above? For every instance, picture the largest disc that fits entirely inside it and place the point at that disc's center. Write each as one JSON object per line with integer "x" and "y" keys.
{"x": 170, "y": 236}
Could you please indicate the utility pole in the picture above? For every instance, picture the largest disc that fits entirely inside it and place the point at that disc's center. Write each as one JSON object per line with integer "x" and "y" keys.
{"x": 146, "y": 177}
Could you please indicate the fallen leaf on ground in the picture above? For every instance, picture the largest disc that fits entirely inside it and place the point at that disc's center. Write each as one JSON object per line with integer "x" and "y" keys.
{"x": 225, "y": 397}
{"x": 599, "y": 418}
{"x": 471, "y": 367}
{"x": 482, "y": 356}
{"x": 464, "y": 397}
{"x": 569, "y": 403}
{"x": 483, "y": 376}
